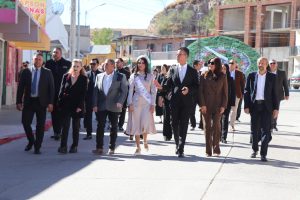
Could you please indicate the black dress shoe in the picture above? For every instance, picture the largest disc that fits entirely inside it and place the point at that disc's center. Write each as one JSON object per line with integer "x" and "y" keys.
{"x": 28, "y": 147}
{"x": 263, "y": 158}
{"x": 253, "y": 155}
{"x": 276, "y": 129}
{"x": 56, "y": 137}
{"x": 62, "y": 150}
{"x": 180, "y": 155}
{"x": 73, "y": 150}
{"x": 37, "y": 151}
{"x": 224, "y": 141}
{"x": 88, "y": 137}
{"x": 121, "y": 129}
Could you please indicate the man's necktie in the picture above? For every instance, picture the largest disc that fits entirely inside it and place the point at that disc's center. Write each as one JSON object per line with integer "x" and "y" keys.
{"x": 33, "y": 84}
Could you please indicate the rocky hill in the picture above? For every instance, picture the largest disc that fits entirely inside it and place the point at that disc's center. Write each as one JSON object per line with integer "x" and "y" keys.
{"x": 184, "y": 17}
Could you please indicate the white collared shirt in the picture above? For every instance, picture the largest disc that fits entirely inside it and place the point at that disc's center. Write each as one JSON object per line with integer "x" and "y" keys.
{"x": 232, "y": 74}
{"x": 107, "y": 80}
{"x": 260, "y": 92}
{"x": 37, "y": 80}
{"x": 182, "y": 71}
{"x": 275, "y": 72}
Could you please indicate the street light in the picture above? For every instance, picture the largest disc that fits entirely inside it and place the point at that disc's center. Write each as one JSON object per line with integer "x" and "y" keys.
{"x": 92, "y": 9}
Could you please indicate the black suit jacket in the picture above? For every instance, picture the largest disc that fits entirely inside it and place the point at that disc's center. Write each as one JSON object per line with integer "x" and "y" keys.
{"x": 46, "y": 87}
{"x": 283, "y": 89}
{"x": 90, "y": 88}
{"x": 71, "y": 96}
{"x": 270, "y": 93}
{"x": 58, "y": 69}
{"x": 174, "y": 85}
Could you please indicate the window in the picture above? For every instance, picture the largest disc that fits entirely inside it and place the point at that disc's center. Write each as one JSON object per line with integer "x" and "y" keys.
{"x": 167, "y": 47}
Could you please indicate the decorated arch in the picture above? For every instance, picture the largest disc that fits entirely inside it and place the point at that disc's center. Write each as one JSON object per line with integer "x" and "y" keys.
{"x": 225, "y": 48}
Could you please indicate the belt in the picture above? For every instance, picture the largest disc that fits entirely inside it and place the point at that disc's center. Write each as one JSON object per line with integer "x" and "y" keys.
{"x": 259, "y": 101}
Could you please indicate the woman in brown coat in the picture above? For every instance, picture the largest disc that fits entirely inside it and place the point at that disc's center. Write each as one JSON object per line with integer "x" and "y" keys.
{"x": 213, "y": 95}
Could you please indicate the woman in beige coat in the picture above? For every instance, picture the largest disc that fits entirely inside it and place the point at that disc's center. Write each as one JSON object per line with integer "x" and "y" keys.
{"x": 213, "y": 97}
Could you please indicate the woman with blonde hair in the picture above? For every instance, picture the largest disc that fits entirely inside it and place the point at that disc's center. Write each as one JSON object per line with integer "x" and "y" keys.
{"x": 141, "y": 101}
{"x": 71, "y": 103}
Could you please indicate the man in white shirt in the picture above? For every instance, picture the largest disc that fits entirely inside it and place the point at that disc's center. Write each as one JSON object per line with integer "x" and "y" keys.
{"x": 261, "y": 101}
{"x": 110, "y": 92}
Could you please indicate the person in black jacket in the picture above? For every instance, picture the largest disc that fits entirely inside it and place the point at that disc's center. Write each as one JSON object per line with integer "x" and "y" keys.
{"x": 58, "y": 66}
{"x": 282, "y": 86}
{"x": 35, "y": 93}
{"x": 88, "y": 116}
{"x": 231, "y": 102}
{"x": 120, "y": 68}
{"x": 71, "y": 104}
{"x": 261, "y": 102}
{"x": 183, "y": 85}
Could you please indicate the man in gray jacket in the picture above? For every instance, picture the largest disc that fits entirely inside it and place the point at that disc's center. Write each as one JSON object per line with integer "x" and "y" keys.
{"x": 110, "y": 92}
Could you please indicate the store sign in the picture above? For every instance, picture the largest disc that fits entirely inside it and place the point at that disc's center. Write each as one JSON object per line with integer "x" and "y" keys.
{"x": 37, "y": 8}
{"x": 8, "y": 12}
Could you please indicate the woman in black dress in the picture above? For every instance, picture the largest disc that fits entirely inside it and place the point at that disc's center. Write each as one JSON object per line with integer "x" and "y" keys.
{"x": 71, "y": 103}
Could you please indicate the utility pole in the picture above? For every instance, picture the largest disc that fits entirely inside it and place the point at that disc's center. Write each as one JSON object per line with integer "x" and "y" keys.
{"x": 78, "y": 31}
{"x": 73, "y": 29}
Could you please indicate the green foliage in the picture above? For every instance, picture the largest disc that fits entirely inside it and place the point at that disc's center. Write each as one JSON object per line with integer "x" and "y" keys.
{"x": 103, "y": 36}
{"x": 230, "y": 48}
{"x": 173, "y": 22}
{"x": 208, "y": 22}
{"x": 229, "y": 2}
{"x": 7, "y": 4}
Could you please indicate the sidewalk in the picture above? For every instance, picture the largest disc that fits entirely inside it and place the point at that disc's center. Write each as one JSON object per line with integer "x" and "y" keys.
{"x": 11, "y": 127}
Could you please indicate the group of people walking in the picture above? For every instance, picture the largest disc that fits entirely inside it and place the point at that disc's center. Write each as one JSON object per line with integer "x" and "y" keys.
{"x": 70, "y": 93}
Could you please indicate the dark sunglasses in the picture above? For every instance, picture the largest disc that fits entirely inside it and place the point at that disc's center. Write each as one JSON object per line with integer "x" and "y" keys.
{"x": 92, "y": 63}
{"x": 231, "y": 63}
{"x": 212, "y": 63}
{"x": 141, "y": 63}
{"x": 272, "y": 63}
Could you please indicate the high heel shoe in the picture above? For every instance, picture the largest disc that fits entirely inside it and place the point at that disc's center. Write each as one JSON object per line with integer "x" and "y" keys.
{"x": 137, "y": 151}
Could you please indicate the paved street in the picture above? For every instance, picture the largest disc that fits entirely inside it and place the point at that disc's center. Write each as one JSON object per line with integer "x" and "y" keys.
{"x": 157, "y": 174}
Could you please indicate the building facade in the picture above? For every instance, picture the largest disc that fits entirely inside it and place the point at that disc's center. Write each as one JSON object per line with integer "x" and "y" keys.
{"x": 267, "y": 26}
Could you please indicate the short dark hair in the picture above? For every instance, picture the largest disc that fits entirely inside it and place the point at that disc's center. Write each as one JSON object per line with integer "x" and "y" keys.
{"x": 96, "y": 60}
{"x": 185, "y": 49}
{"x": 58, "y": 48}
{"x": 111, "y": 61}
{"x": 120, "y": 59}
{"x": 38, "y": 54}
{"x": 196, "y": 62}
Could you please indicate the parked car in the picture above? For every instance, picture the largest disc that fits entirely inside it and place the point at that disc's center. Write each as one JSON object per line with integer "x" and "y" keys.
{"x": 295, "y": 80}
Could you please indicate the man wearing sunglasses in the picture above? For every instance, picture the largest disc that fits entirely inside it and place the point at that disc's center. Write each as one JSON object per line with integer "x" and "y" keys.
{"x": 239, "y": 80}
{"x": 92, "y": 74}
{"x": 282, "y": 86}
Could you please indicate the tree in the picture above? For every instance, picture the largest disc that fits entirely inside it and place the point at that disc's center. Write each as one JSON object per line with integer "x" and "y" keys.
{"x": 102, "y": 36}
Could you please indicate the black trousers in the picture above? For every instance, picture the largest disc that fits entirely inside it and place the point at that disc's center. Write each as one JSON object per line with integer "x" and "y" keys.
{"x": 66, "y": 120}
{"x": 192, "y": 117}
{"x": 274, "y": 120}
{"x": 113, "y": 118}
{"x": 34, "y": 107}
{"x": 239, "y": 109}
{"x": 56, "y": 120}
{"x": 122, "y": 117}
{"x": 88, "y": 120}
{"x": 180, "y": 120}
{"x": 167, "y": 128}
{"x": 225, "y": 122}
{"x": 260, "y": 128}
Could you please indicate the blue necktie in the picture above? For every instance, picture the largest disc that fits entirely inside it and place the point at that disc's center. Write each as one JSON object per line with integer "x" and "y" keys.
{"x": 33, "y": 84}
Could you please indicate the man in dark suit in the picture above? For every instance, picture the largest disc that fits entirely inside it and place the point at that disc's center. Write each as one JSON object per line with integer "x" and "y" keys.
{"x": 239, "y": 80}
{"x": 120, "y": 69}
{"x": 88, "y": 116}
{"x": 197, "y": 65}
{"x": 183, "y": 84}
{"x": 261, "y": 101}
{"x": 58, "y": 66}
{"x": 282, "y": 86}
{"x": 35, "y": 93}
{"x": 110, "y": 92}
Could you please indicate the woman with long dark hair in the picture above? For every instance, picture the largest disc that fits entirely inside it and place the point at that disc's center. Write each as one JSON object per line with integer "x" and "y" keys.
{"x": 213, "y": 95}
{"x": 141, "y": 102}
{"x": 71, "y": 103}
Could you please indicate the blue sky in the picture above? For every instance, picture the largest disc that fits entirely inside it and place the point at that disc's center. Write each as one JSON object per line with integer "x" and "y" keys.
{"x": 116, "y": 13}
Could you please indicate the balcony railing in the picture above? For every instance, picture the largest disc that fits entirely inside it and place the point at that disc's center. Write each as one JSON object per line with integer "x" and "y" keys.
{"x": 295, "y": 51}
{"x": 170, "y": 55}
